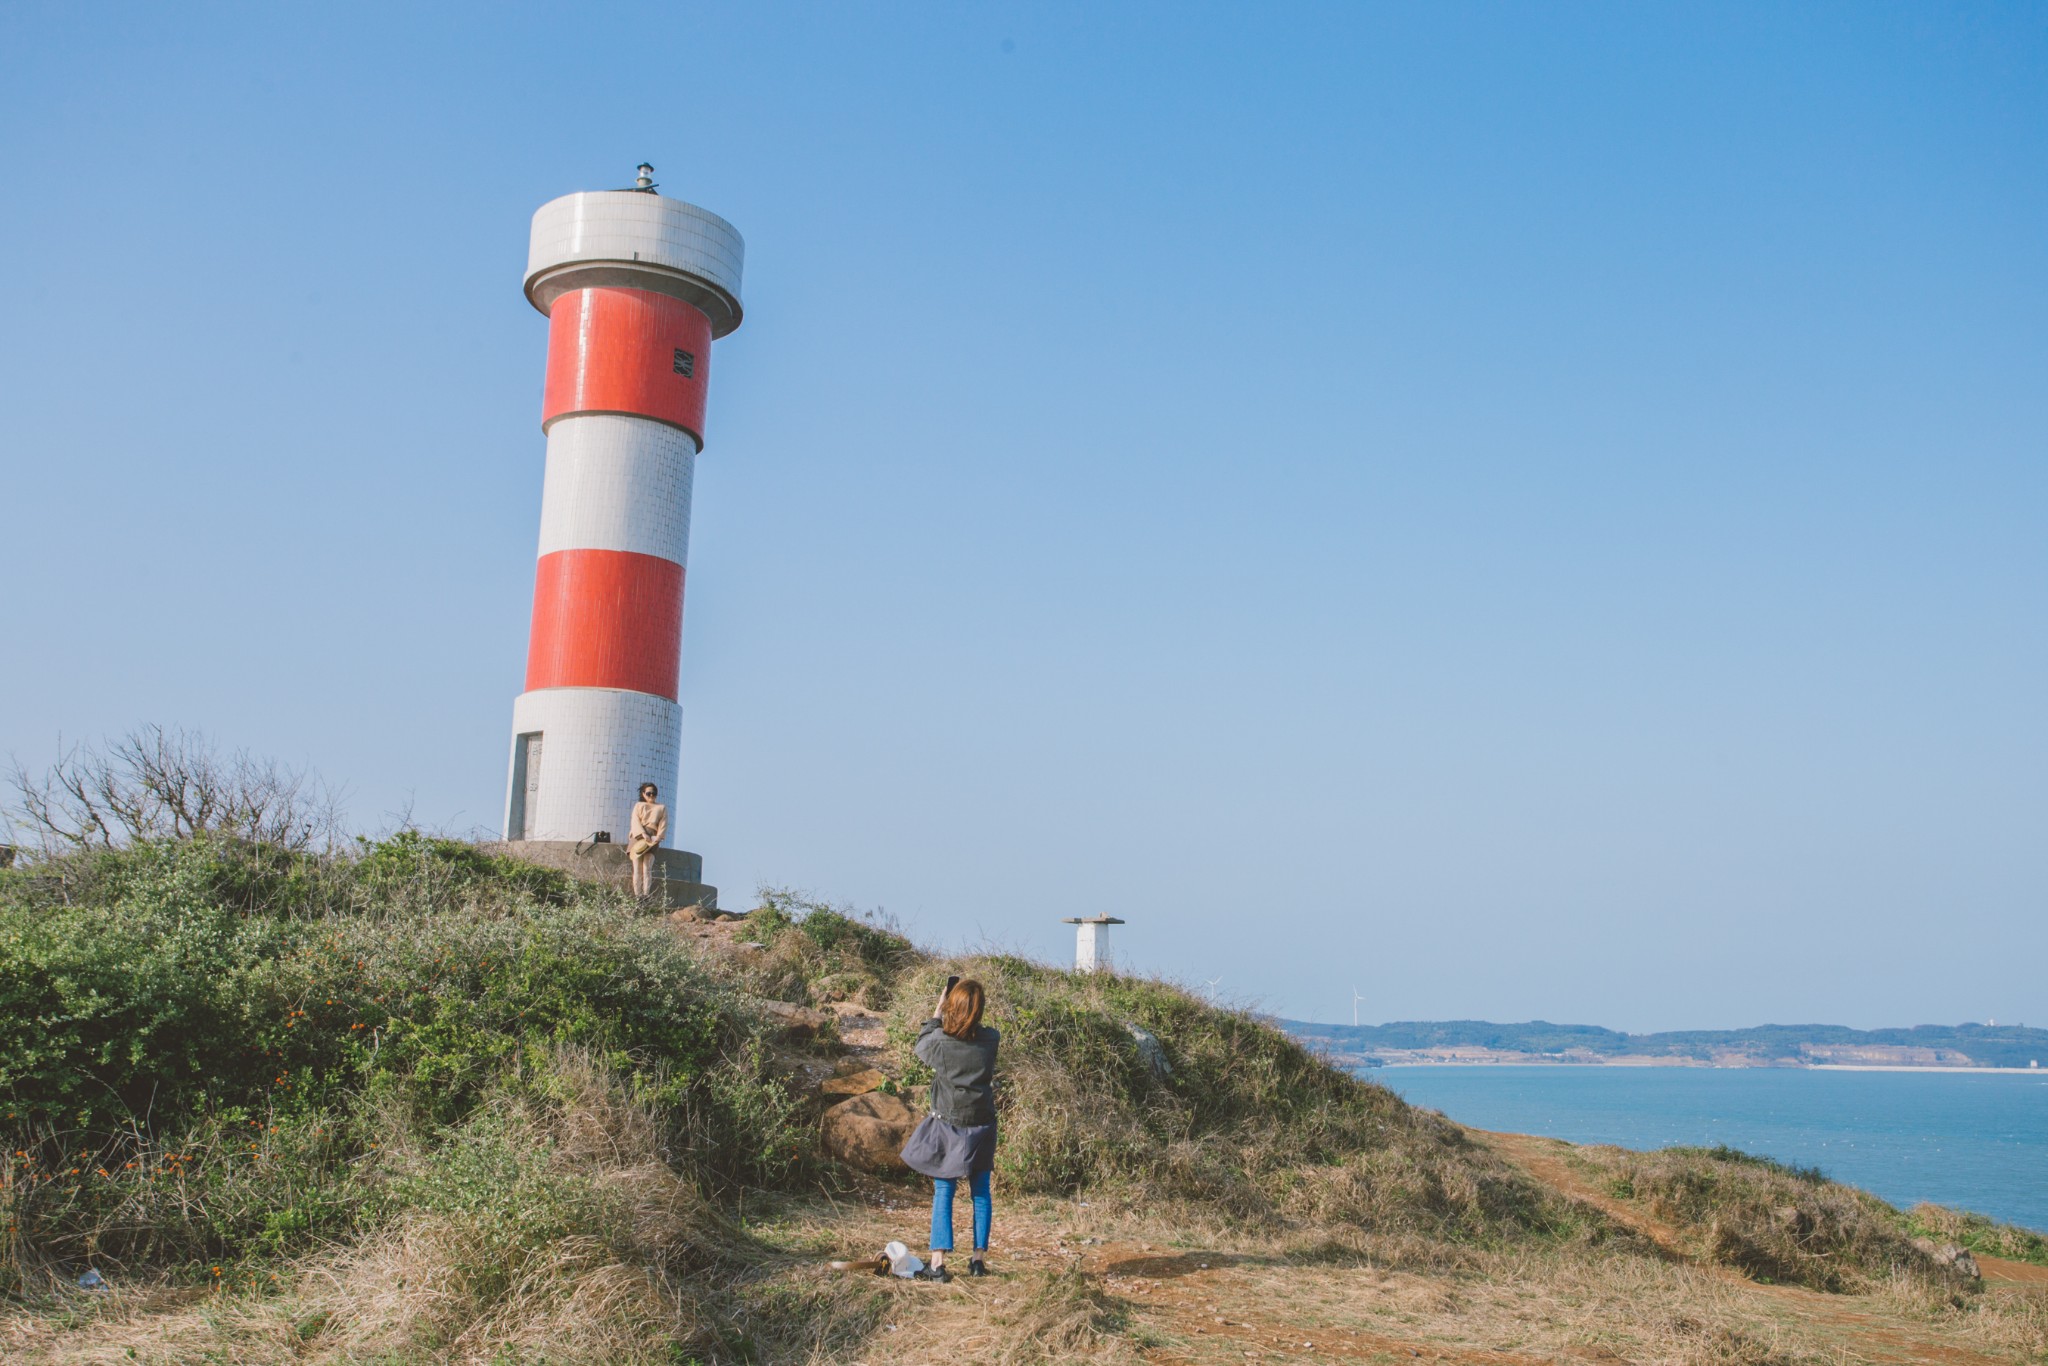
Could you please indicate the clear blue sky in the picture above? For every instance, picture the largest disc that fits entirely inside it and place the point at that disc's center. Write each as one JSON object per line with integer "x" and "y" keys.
{"x": 1525, "y": 510}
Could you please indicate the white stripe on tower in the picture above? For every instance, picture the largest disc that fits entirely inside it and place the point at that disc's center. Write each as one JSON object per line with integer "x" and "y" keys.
{"x": 618, "y": 483}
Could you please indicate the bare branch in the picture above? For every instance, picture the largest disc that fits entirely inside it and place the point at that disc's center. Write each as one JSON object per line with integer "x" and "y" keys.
{"x": 155, "y": 784}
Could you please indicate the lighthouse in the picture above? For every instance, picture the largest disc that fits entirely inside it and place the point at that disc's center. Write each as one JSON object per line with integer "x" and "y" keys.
{"x": 635, "y": 287}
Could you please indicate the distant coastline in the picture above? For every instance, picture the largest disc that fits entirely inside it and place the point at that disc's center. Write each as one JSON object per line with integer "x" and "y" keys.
{"x": 1539, "y": 1043}
{"x": 1874, "y": 1067}
{"x": 1532, "y": 1061}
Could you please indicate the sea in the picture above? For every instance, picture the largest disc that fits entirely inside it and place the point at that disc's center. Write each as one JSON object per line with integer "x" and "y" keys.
{"x": 1973, "y": 1140}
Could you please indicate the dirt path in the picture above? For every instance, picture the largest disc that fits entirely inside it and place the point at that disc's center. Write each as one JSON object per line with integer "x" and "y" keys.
{"x": 2012, "y": 1273}
{"x": 1544, "y": 1159}
{"x": 1179, "y": 1305}
{"x": 864, "y": 1033}
{"x": 1227, "y": 1303}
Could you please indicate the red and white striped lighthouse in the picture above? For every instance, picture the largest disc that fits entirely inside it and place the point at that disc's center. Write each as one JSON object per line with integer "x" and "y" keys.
{"x": 635, "y": 287}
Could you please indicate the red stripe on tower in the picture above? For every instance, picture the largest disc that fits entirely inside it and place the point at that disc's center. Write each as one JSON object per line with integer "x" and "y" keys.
{"x": 606, "y": 619}
{"x": 628, "y": 351}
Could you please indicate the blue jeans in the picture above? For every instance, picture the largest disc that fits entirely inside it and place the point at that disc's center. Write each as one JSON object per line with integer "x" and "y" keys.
{"x": 942, "y": 1211}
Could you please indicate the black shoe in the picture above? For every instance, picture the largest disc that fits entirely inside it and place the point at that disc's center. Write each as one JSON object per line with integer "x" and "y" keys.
{"x": 976, "y": 1267}
{"x": 935, "y": 1273}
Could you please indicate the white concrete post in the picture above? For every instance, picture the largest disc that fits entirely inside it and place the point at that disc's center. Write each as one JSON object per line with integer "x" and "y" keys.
{"x": 1091, "y": 941}
{"x": 1091, "y": 948}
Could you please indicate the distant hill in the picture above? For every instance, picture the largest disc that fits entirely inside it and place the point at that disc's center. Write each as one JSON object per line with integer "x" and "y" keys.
{"x": 1962, "y": 1045}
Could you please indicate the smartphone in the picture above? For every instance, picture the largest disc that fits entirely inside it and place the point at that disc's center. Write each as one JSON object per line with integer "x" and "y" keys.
{"x": 952, "y": 982}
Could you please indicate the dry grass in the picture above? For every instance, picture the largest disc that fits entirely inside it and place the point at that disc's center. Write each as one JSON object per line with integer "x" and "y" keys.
{"x": 1246, "y": 1203}
{"x": 1248, "y": 1129}
{"x": 1064, "y": 1316}
{"x": 1767, "y": 1220}
{"x": 545, "y": 1229}
{"x": 552, "y": 1229}
{"x": 2001, "y": 1320}
{"x": 1541, "y": 1303}
{"x": 1076, "y": 1282}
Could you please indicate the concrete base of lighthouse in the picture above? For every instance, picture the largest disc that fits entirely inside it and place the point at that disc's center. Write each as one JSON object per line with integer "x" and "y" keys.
{"x": 678, "y": 873}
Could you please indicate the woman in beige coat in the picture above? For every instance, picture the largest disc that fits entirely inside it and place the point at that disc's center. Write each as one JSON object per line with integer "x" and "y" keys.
{"x": 650, "y": 823}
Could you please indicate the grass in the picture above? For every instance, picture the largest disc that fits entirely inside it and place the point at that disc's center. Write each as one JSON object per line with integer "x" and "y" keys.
{"x": 412, "y": 1103}
{"x": 1975, "y": 1232}
{"x": 1776, "y": 1223}
{"x": 1246, "y": 1126}
{"x": 816, "y": 953}
{"x": 1064, "y": 1316}
{"x": 209, "y": 1053}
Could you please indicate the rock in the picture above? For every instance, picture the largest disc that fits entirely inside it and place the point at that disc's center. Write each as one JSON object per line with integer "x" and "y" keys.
{"x": 798, "y": 1023}
{"x": 853, "y": 1083}
{"x": 869, "y": 1131}
{"x": 1952, "y": 1256}
{"x": 1793, "y": 1220}
{"x": 1151, "y": 1051}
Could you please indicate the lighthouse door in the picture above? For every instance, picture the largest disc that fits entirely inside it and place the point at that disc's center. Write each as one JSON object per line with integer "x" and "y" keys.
{"x": 525, "y": 814}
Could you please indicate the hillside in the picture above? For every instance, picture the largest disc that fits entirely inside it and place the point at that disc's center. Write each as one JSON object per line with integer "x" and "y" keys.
{"x": 413, "y": 1103}
{"x": 1964, "y": 1045}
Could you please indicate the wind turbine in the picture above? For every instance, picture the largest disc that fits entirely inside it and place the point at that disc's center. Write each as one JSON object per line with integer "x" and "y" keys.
{"x": 1355, "y": 999}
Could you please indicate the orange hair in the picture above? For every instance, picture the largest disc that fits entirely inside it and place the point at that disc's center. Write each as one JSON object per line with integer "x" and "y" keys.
{"x": 960, "y": 1015}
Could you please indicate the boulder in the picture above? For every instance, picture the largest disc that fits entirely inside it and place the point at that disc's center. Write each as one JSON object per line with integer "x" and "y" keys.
{"x": 798, "y": 1024}
{"x": 1793, "y": 1220}
{"x": 1150, "y": 1051}
{"x": 854, "y": 1082}
{"x": 869, "y": 1131}
{"x": 1951, "y": 1256}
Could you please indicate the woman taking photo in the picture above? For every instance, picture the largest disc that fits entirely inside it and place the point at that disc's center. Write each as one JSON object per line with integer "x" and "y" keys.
{"x": 958, "y": 1138}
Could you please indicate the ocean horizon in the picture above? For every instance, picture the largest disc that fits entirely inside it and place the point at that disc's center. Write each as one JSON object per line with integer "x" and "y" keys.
{"x": 1975, "y": 1140}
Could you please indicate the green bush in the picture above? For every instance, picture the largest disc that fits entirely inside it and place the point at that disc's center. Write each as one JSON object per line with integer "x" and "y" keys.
{"x": 192, "y": 1034}
{"x": 168, "y": 999}
{"x": 116, "y": 1007}
{"x": 819, "y": 953}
